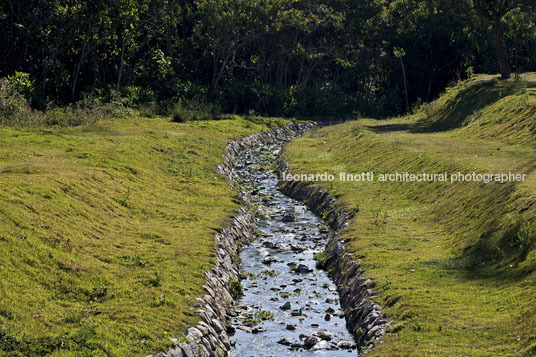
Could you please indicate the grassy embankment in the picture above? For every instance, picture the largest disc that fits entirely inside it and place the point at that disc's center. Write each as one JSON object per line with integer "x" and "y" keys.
{"x": 106, "y": 231}
{"x": 454, "y": 263}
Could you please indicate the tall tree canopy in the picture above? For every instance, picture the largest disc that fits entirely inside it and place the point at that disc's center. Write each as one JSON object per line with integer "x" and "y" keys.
{"x": 495, "y": 11}
{"x": 277, "y": 57}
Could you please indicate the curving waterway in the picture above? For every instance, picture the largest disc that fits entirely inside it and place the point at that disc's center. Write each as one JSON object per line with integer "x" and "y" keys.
{"x": 289, "y": 307}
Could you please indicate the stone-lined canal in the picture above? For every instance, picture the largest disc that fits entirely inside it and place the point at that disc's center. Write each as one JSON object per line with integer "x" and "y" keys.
{"x": 289, "y": 307}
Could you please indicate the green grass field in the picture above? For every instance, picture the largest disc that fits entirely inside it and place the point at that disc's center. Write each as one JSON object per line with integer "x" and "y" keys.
{"x": 106, "y": 232}
{"x": 454, "y": 263}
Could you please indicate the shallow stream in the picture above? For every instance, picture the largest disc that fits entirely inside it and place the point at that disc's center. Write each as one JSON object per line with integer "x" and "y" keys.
{"x": 289, "y": 307}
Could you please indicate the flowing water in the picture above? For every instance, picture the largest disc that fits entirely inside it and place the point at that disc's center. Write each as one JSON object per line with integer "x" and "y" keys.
{"x": 289, "y": 307}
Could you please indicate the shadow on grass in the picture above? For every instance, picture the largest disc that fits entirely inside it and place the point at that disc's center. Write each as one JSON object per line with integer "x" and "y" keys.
{"x": 459, "y": 104}
{"x": 503, "y": 263}
{"x": 453, "y": 113}
{"x": 386, "y": 128}
{"x": 526, "y": 168}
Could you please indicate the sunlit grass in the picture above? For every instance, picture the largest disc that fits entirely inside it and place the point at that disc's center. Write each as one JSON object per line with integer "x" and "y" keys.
{"x": 447, "y": 259}
{"x": 106, "y": 232}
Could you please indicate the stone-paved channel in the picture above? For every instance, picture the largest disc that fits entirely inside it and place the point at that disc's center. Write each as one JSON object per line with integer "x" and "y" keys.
{"x": 289, "y": 307}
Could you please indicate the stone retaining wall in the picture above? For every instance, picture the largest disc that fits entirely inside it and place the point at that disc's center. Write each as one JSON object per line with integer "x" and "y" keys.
{"x": 363, "y": 316}
{"x": 209, "y": 337}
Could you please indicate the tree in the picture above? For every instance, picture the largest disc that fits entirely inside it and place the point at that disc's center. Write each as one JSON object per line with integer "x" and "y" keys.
{"x": 495, "y": 11}
{"x": 227, "y": 26}
{"x": 400, "y": 53}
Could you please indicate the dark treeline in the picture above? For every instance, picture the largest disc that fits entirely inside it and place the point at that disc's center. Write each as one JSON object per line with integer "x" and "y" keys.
{"x": 272, "y": 57}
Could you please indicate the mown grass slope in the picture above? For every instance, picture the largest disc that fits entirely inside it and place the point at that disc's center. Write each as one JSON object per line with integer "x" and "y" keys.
{"x": 454, "y": 263}
{"x": 106, "y": 232}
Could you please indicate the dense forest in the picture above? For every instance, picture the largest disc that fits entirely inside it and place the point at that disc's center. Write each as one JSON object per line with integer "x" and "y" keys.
{"x": 270, "y": 57}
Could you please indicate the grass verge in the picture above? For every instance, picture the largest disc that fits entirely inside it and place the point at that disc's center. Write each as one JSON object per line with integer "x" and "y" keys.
{"x": 454, "y": 263}
{"x": 106, "y": 231}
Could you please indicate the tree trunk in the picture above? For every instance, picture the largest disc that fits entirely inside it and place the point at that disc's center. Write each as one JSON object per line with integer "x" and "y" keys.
{"x": 499, "y": 48}
{"x": 75, "y": 78}
{"x": 405, "y": 83}
{"x": 121, "y": 64}
{"x": 217, "y": 74}
{"x": 76, "y": 71}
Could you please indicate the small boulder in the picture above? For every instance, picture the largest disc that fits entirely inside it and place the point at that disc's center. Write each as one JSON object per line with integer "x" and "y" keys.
{"x": 324, "y": 335}
{"x": 288, "y": 217}
{"x": 310, "y": 342}
{"x": 286, "y": 306}
{"x": 270, "y": 245}
{"x": 296, "y": 312}
{"x": 244, "y": 328}
{"x": 258, "y": 329}
{"x": 269, "y": 260}
{"x": 284, "y": 342}
{"x": 301, "y": 269}
{"x": 296, "y": 248}
{"x": 345, "y": 345}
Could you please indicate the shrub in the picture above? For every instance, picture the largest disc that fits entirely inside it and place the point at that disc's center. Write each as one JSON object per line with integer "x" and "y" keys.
{"x": 20, "y": 83}
{"x": 149, "y": 110}
{"x": 193, "y": 110}
{"x": 179, "y": 115}
{"x": 17, "y": 90}
{"x": 521, "y": 236}
{"x": 525, "y": 236}
{"x": 321, "y": 260}
{"x": 236, "y": 289}
{"x": 138, "y": 95}
{"x": 87, "y": 111}
{"x": 14, "y": 107}
{"x": 73, "y": 116}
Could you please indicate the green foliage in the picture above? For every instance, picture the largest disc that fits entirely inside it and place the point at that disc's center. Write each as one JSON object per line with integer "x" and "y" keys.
{"x": 181, "y": 113}
{"x": 236, "y": 289}
{"x": 72, "y": 116}
{"x": 275, "y": 57}
{"x": 16, "y": 111}
{"x": 321, "y": 260}
{"x": 20, "y": 83}
{"x": 81, "y": 341}
{"x": 259, "y": 316}
{"x": 13, "y": 106}
{"x": 526, "y": 236}
{"x": 399, "y": 52}
{"x": 522, "y": 236}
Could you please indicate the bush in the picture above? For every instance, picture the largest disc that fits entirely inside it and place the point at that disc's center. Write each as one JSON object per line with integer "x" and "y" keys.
{"x": 72, "y": 116}
{"x": 321, "y": 260}
{"x": 87, "y": 111}
{"x": 521, "y": 236}
{"x": 20, "y": 83}
{"x": 137, "y": 95}
{"x": 14, "y": 108}
{"x": 319, "y": 101}
{"x": 525, "y": 236}
{"x": 193, "y": 110}
{"x": 236, "y": 289}
{"x": 179, "y": 115}
{"x": 149, "y": 110}
{"x": 15, "y": 111}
